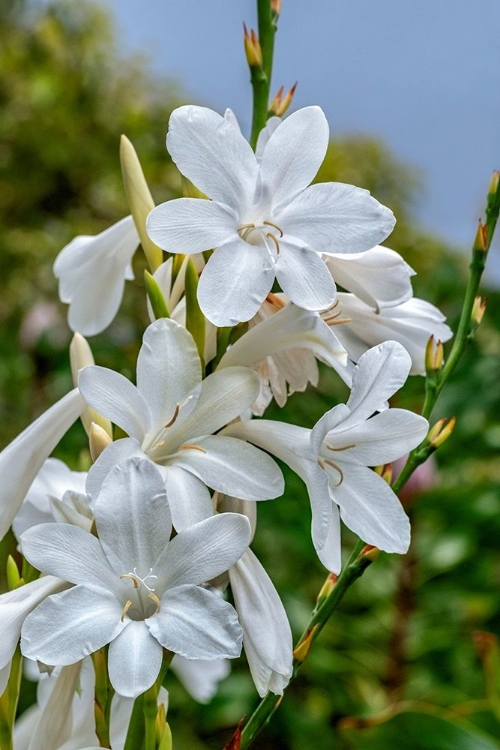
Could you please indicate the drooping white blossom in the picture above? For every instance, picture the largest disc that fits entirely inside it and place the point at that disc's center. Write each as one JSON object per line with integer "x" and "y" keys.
{"x": 264, "y": 219}
{"x": 171, "y": 417}
{"x": 333, "y": 458}
{"x": 92, "y": 271}
{"x": 134, "y": 589}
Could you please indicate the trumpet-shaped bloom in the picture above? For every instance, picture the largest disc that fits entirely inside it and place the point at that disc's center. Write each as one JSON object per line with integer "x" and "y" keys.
{"x": 22, "y": 459}
{"x": 171, "y": 416}
{"x": 411, "y": 323}
{"x": 92, "y": 273}
{"x": 134, "y": 589}
{"x": 333, "y": 458}
{"x": 264, "y": 219}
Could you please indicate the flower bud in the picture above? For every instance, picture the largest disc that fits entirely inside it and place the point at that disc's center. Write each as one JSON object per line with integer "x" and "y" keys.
{"x": 478, "y": 310}
{"x": 385, "y": 471}
{"x": 305, "y": 645}
{"x": 139, "y": 200}
{"x": 275, "y": 9}
{"x": 326, "y": 589}
{"x": 369, "y": 552}
{"x": 282, "y": 109}
{"x": 155, "y": 296}
{"x": 253, "y": 49}
{"x": 434, "y": 355}
{"x": 275, "y": 104}
{"x": 494, "y": 184}
{"x": 80, "y": 356}
{"x": 441, "y": 431}
{"x": 14, "y": 579}
{"x": 481, "y": 239}
{"x": 98, "y": 440}
{"x": 195, "y": 320}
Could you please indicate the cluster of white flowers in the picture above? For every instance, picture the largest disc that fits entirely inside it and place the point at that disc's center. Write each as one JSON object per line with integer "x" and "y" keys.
{"x": 137, "y": 555}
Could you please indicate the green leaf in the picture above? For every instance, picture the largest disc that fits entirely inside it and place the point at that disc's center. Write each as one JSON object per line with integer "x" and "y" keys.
{"x": 155, "y": 296}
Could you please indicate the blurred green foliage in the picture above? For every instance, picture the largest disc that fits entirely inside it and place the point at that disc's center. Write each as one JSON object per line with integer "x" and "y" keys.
{"x": 402, "y": 643}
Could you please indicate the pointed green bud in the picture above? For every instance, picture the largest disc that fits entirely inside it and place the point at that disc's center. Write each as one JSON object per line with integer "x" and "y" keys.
{"x": 155, "y": 296}
{"x": 139, "y": 200}
{"x": 166, "y": 740}
{"x": 80, "y": 356}
{"x": 14, "y": 579}
{"x": 195, "y": 320}
{"x": 98, "y": 440}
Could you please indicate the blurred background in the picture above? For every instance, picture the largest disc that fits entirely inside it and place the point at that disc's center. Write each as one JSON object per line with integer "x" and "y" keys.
{"x": 411, "y": 658}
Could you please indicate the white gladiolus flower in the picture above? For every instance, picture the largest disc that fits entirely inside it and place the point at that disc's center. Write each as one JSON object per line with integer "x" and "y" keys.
{"x": 263, "y": 219}
{"x": 411, "y": 323}
{"x": 92, "y": 273}
{"x": 267, "y": 638}
{"x": 171, "y": 417}
{"x": 134, "y": 589}
{"x": 22, "y": 459}
{"x": 333, "y": 458}
{"x": 54, "y": 485}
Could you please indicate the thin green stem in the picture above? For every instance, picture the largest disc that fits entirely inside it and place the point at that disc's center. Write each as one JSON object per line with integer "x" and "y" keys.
{"x": 135, "y": 734}
{"x": 103, "y": 696}
{"x": 150, "y": 711}
{"x": 261, "y": 74}
{"x": 8, "y": 702}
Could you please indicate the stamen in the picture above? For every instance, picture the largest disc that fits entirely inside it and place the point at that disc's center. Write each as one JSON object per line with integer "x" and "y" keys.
{"x": 275, "y": 300}
{"x": 156, "y": 600}
{"x": 344, "y": 448}
{"x": 192, "y": 446}
{"x": 176, "y": 414}
{"x": 245, "y": 226}
{"x": 332, "y": 320}
{"x": 272, "y": 224}
{"x": 337, "y": 468}
{"x": 126, "y": 608}
{"x": 320, "y": 463}
{"x": 275, "y": 240}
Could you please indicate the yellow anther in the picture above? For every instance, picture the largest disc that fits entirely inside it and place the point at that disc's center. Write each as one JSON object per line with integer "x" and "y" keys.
{"x": 126, "y": 608}
{"x": 273, "y": 299}
{"x": 337, "y": 468}
{"x": 156, "y": 600}
{"x": 133, "y": 578}
{"x": 192, "y": 446}
{"x": 176, "y": 414}
{"x": 320, "y": 463}
{"x": 246, "y": 226}
{"x": 275, "y": 240}
{"x": 344, "y": 447}
{"x": 272, "y": 224}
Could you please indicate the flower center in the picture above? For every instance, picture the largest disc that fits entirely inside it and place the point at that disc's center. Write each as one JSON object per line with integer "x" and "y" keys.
{"x": 267, "y": 234}
{"x": 328, "y": 461}
{"x": 141, "y": 606}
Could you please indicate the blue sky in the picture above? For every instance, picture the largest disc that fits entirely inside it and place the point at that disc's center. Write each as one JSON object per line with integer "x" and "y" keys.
{"x": 423, "y": 75}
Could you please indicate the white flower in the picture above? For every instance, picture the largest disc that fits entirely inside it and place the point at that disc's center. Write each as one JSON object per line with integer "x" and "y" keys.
{"x": 22, "y": 459}
{"x": 411, "y": 323}
{"x": 54, "y": 485}
{"x": 333, "y": 458}
{"x": 92, "y": 273}
{"x": 171, "y": 416}
{"x": 263, "y": 219}
{"x": 134, "y": 589}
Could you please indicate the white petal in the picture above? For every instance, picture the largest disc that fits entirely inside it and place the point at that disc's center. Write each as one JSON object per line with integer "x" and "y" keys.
{"x": 304, "y": 277}
{"x": 267, "y": 638}
{"x": 330, "y": 552}
{"x": 380, "y": 372}
{"x": 370, "y": 508}
{"x": 294, "y": 154}
{"x": 224, "y": 396}
{"x": 290, "y": 328}
{"x": 288, "y": 442}
{"x": 92, "y": 272}
{"x": 134, "y": 660}
{"x": 200, "y": 678}
{"x": 115, "y": 452}
{"x": 379, "y": 277}
{"x": 132, "y": 516}
{"x": 332, "y": 217}
{"x": 197, "y": 624}
{"x": 22, "y": 459}
{"x": 233, "y": 467}
{"x": 231, "y": 117}
{"x": 264, "y": 136}
{"x": 191, "y": 225}
{"x": 383, "y": 438}
{"x": 15, "y": 606}
{"x": 210, "y": 152}
{"x": 235, "y": 282}
{"x": 68, "y": 626}
{"x": 328, "y": 422}
{"x": 168, "y": 370}
{"x": 67, "y": 552}
{"x": 5, "y": 674}
{"x": 55, "y": 725}
{"x": 116, "y": 398}
{"x": 204, "y": 551}
{"x": 188, "y": 497}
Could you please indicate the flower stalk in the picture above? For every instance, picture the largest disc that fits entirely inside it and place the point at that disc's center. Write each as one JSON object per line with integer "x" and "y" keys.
{"x": 261, "y": 73}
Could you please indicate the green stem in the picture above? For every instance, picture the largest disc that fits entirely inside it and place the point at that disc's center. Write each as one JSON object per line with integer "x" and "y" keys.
{"x": 103, "y": 696}
{"x": 135, "y": 734}
{"x": 150, "y": 711}
{"x": 261, "y": 75}
{"x": 8, "y": 702}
